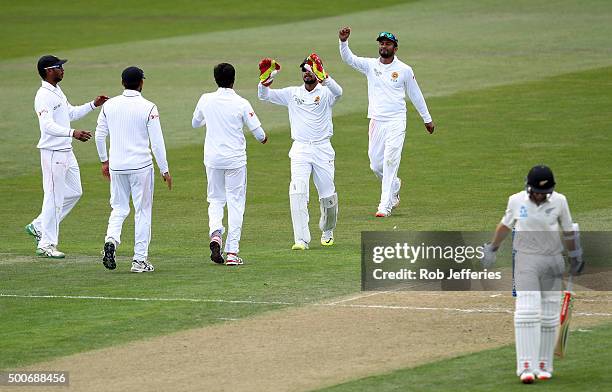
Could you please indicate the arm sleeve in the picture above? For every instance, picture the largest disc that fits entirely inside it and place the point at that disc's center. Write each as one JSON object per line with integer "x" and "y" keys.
{"x": 416, "y": 97}
{"x": 334, "y": 89}
{"x": 198, "y": 119}
{"x": 101, "y": 134}
{"x": 157, "y": 140}
{"x": 361, "y": 64}
{"x": 249, "y": 117}
{"x": 508, "y": 219}
{"x": 259, "y": 134}
{"x": 276, "y": 96}
{"x": 565, "y": 218}
{"x": 44, "y": 110}
{"x": 77, "y": 112}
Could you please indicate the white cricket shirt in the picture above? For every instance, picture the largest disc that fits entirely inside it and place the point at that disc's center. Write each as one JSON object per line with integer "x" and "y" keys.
{"x": 538, "y": 227}
{"x": 54, "y": 115}
{"x": 224, "y": 113}
{"x": 310, "y": 112}
{"x": 132, "y": 122}
{"x": 388, "y": 85}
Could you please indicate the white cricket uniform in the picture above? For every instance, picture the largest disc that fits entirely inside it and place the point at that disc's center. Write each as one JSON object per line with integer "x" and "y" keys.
{"x": 60, "y": 169}
{"x": 388, "y": 85}
{"x": 224, "y": 113}
{"x": 539, "y": 267}
{"x": 310, "y": 117}
{"x": 132, "y": 122}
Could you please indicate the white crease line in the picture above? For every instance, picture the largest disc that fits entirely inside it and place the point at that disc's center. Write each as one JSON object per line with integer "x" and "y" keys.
{"x": 359, "y": 297}
{"x": 371, "y": 306}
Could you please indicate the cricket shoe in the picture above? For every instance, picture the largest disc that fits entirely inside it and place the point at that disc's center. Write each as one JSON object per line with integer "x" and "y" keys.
{"x": 542, "y": 373}
{"x": 109, "y": 255}
{"x": 215, "y": 249}
{"x": 233, "y": 259}
{"x": 396, "y": 197}
{"x": 301, "y": 245}
{"x": 527, "y": 377}
{"x": 383, "y": 213}
{"x": 142, "y": 266}
{"x": 31, "y": 230}
{"x": 327, "y": 238}
{"x": 50, "y": 252}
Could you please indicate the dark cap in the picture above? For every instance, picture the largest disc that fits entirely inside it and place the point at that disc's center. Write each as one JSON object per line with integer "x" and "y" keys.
{"x": 132, "y": 75}
{"x": 48, "y": 61}
{"x": 388, "y": 36}
{"x": 540, "y": 179}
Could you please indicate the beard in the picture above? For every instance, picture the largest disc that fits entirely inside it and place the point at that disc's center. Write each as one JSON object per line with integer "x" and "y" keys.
{"x": 384, "y": 53}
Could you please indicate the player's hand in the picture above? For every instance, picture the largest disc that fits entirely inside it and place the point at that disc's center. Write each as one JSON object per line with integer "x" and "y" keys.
{"x": 317, "y": 67}
{"x": 167, "y": 179}
{"x": 268, "y": 68}
{"x": 99, "y": 100}
{"x": 81, "y": 135}
{"x": 430, "y": 126}
{"x": 344, "y": 33}
{"x": 489, "y": 254}
{"x": 105, "y": 170}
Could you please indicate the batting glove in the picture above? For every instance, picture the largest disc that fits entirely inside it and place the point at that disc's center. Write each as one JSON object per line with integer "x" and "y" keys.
{"x": 489, "y": 254}
{"x": 268, "y": 69}
{"x": 317, "y": 67}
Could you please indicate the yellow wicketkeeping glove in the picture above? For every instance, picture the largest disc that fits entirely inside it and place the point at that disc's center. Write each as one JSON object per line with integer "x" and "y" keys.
{"x": 268, "y": 68}
{"x": 317, "y": 67}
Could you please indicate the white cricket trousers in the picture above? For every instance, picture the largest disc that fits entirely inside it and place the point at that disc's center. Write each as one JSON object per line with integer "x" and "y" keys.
{"x": 318, "y": 159}
{"x": 538, "y": 303}
{"x": 386, "y": 140}
{"x": 226, "y": 186}
{"x": 138, "y": 185}
{"x": 62, "y": 188}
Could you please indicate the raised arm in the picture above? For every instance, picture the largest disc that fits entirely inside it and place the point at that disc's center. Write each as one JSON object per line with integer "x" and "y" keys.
{"x": 361, "y": 64}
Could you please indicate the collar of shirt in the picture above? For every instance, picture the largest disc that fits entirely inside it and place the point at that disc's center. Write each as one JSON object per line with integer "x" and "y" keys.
{"x": 317, "y": 88}
{"x": 49, "y": 86}
{"x": 528, "y": 199}
{"x": 131, "y": 93}
{"x": 390, "y": 64}
{"x": 226, "y": 90}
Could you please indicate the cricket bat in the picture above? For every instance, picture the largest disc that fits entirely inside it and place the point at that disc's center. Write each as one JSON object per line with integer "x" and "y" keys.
{"x": 565, "y": 318}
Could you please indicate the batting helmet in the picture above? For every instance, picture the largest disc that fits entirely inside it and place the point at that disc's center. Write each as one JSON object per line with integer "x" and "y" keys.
{"x": 540, "y": 179}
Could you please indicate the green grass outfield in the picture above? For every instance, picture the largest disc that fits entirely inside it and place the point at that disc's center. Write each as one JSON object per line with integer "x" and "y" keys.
{"x": 509, "y": 85}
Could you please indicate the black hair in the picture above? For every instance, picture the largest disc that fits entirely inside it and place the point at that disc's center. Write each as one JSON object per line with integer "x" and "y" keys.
{"x": 225, "y": 75}
{"x": 43, "y": 73}
{"x": 132, "y": 85}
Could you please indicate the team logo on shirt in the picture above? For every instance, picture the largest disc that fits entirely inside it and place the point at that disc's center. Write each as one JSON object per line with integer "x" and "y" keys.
{"x": 523, "y": 212}
{"x": 42, "y": 112}
{"x": 394, "y": 76}
{"x": 377, "y": 72}
{"x": 317, "y": 100}
{"x": 298, "y": 100}
{"x": 153, "y": 116}
{"x": 549, "y": 210}
{"x": 251, "y": 114}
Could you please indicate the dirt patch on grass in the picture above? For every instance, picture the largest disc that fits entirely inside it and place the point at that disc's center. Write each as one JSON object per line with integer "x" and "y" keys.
{"x": 311, "y": 346}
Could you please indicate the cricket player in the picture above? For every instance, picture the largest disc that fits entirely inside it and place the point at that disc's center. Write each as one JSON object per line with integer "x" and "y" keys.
{"x": 389, "y": 81}
{"x": 310, "y": 115}
{"x": 224, "y": 113}
{"x": 60, "y": 169}
{"x": 538, "y": 214}
{"x": 132, "y": 122}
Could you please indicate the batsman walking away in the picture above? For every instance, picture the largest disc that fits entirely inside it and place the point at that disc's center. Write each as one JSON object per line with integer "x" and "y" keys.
{"x": 310, "y": 116}
{"x": 538, "y": 215}
{"x": 389, "y": 82}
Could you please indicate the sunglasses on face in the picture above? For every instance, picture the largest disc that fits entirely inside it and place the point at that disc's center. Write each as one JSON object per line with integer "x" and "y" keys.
{"x": 59, "y": 66}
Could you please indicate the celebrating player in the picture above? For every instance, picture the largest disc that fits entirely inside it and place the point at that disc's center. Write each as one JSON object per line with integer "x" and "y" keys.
{"x": 132, "y": 122}
{"x": 60, "y": 169}
{"x": 389, "y": 81}
{"x": 224, "y": 113}
{"x": 537, "y": 214}
{"x": 310, "y": 116}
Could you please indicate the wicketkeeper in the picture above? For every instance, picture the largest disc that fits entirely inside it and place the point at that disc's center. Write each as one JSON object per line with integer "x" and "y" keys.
{"x": 538, "y": 214}
{"x": 310, "y": 115}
